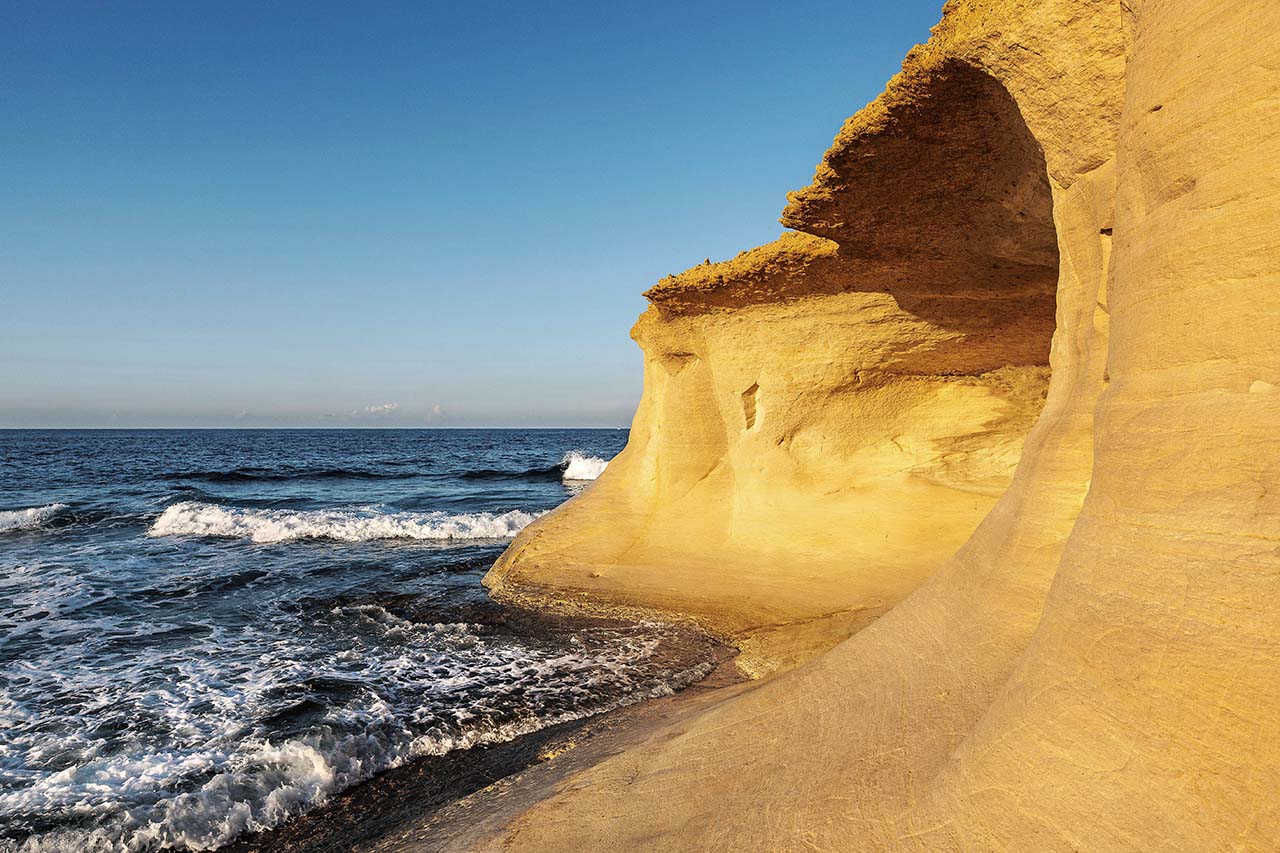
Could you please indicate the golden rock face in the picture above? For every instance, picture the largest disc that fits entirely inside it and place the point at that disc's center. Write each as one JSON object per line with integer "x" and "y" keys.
{"x": 827, "y": 418}
{"x": 991, "y": 616}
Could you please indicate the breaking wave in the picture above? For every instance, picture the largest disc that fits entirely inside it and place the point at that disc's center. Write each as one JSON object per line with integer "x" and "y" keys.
{"x": 575, "y": 467}
{"x": 29, "y": 519}
{"x": 578, "y": 466}
{"x": 193, "y": 518}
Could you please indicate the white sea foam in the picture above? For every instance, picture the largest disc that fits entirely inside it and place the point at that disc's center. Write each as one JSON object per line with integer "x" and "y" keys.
{"x": 28, "y": 519}
{"x": 579, "y": 466}
{"x": 193, "y": 518}
{"x": 144, "y": 800}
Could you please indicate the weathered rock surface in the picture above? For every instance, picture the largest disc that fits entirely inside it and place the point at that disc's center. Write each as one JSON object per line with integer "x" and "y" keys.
{"x": 1064, "y": 610}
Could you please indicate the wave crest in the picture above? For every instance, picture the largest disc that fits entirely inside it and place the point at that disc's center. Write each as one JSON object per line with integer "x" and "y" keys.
{"x": 574, "y": 467}
{"x": 30, "y": 518}
{"x": 579, "y": 467}
{"x": 193, "y": 518}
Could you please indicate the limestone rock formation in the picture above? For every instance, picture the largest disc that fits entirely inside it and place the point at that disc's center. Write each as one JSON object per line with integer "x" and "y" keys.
{"x": 1030, "y": 621}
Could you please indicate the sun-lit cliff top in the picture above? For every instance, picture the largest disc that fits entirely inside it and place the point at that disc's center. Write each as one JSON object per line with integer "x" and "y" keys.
{"x": 793, "y": 265}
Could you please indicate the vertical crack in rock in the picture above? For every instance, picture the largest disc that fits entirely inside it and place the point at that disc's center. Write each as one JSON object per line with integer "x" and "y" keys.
{"x": 749, "y": 405}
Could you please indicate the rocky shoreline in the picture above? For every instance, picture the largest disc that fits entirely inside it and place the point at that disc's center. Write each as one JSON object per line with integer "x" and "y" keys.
{"x": 449, "y": 802}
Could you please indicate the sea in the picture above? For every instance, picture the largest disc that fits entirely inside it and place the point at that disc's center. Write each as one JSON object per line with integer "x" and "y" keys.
{"x": 205, "y": 633}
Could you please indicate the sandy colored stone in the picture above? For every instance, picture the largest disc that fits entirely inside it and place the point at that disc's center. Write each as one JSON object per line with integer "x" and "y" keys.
{"x": 826, "y": 419}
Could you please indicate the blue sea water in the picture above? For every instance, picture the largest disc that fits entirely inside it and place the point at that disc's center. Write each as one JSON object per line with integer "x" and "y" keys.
{"x": 204, "y": 633}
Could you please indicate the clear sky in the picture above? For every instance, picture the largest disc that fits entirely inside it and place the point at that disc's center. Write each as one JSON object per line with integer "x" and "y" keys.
{"x": 390, "y": 214}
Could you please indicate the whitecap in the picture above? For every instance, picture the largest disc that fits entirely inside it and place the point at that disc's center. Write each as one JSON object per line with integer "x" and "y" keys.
{"x": 30, "y": 518}
{"x": 194, "y": 518}
{"x": 579, "y": 467}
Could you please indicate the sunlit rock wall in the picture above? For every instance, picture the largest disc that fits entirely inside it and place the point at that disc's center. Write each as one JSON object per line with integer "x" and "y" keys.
{"x": 827, "y": 418}
{"x": 1096, "y": 667}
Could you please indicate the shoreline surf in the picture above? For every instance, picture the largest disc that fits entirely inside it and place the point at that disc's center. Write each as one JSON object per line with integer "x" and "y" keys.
{"x": 232, "y": 628}
{"x": 464, "y": 799}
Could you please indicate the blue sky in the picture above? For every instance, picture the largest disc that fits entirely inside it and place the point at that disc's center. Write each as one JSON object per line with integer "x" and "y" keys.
{"x": 390, "y": 214}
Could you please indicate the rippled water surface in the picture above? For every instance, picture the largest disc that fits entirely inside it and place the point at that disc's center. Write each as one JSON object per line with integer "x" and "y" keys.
{"x": 204, "y": 633}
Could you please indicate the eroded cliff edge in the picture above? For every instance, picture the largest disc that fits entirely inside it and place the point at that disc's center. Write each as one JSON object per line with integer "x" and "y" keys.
{"x": 828, "y": 418}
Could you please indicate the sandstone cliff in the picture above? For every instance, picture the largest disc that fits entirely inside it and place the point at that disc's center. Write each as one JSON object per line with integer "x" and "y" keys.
{"x": 1032, "y": 621}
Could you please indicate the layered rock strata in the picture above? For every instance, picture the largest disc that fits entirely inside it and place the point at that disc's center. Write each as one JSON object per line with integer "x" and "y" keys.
{"x": 828, "y": 418}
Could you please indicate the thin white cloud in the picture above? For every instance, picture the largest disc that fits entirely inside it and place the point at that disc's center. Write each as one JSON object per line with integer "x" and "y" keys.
{"x": 375, "y": 411}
